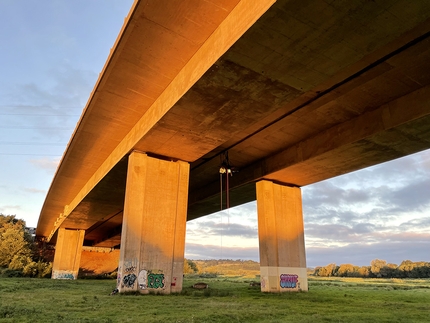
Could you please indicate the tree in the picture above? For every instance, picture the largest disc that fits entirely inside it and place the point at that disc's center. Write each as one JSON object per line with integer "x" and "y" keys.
{"x": 345, "y": 270}
{"x": 15, "y": 244}
{"x": 317, "y": 271}
{"x": 188, "y": 267}
{"x": 388, "y": 271}
{"x": 17, "y": 249}
{"x": 327, "y": 271}
{"x": 192, "y": 265}
{"x": 405, "y": 268}
{"x": 364, "y": 271}
{"x": 376, "y": 265}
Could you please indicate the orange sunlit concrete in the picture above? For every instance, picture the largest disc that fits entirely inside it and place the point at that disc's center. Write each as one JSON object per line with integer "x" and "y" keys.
{"x": 294, "y": 92}
{"x": 153, "y": 230}
{"x": 67, "y": 254}
{"x": 281, "y": 236}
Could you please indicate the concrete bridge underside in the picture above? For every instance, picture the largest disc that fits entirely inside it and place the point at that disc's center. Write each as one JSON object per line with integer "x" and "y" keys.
{"x": 295, "y": 91}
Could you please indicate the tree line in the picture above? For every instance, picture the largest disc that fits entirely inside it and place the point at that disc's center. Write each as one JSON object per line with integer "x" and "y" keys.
{"x": 378, "y": 269}
{"x": 21, "y": 255}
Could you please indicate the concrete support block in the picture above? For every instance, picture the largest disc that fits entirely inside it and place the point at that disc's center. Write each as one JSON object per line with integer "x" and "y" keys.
{"x": 68, "y": 252}
{"x": 281, "y": 237}
{"x": 153, "y": 231}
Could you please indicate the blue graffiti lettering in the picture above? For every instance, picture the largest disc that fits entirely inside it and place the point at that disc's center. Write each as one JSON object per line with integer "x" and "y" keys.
{"x": 288, "y": 281}
{"x": 63, "y": 276}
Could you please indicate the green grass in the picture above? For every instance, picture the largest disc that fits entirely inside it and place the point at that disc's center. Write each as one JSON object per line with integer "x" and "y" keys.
{"x": 227, "y": 300}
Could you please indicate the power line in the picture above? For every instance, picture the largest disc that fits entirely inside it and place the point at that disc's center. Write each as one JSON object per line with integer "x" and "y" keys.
{"x": 31, "y": 144}
{"x": 44, "y": 128}
{"x": 12, "y": 154}
{"x": 39, "y": 115}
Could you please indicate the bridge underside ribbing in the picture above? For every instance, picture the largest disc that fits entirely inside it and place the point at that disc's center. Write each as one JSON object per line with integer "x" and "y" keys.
{"x": 295, "y": 91}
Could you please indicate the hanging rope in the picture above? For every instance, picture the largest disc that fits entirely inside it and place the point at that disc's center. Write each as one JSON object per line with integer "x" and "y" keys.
{"x": 227, "y": 170}
{"x": 220, "y": 180}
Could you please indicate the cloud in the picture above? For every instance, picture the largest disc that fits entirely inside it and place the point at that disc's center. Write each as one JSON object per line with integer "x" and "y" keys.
{"x": 214, "y": 229}
{"x": 7, "y": 209}
{"x": 383, "y": 193}
{"x": 200, "y": 251}
{"x": 362, "y": 243}
{"x": 49, "y": 164}
{"x": 414, "y": 196}
{"x": 334, "y": 234}
{"x": 34, "y": 190}
{"x": 416, "y": 224}
{"x": 46, "y": 112}
{"x": 331, "y": 195}
{"x": 361, "y": 254}
{"x": 366, "y": 232}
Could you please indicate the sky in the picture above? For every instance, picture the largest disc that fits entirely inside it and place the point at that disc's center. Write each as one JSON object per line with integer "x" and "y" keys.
{"x": 51, "y": 54}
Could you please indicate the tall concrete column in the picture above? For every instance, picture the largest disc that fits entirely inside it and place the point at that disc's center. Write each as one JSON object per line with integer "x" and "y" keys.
{"x": 153, "y": 229}
{"x": 281, "y": 236}
{"x": 68, "y": 252}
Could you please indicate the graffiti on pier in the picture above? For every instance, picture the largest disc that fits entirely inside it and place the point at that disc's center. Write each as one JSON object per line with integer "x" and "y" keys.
{"x": 62, "y": 276}
{"x": 155, "y": 280}
{"x": 127, "y": 273}
{"x": 289, "y": 281}
{"x": 130, "y": 266}
{"x": 142, "y": 279}
{"x": 129, "y": 280}
{"x": 151, "y": 279}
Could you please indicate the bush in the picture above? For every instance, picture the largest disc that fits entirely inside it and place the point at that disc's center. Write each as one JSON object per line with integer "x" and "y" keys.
{"x": 38, "y": 269}
{"x": 11, "y": 273}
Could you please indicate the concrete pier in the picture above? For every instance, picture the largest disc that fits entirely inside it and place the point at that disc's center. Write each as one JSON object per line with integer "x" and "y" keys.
{"x": 67, "y": 254}
{"x": 153, "y": 232}
{"x": 281, "y": 236}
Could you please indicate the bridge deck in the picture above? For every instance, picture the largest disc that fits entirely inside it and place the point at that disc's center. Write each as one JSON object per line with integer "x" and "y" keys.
{"x": 310, "y": 90}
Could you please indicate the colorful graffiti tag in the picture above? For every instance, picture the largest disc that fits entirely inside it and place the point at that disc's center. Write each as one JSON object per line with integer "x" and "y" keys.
{"x": 129, "y": 280}
{"x": 142, "y": 279}
{"x": 155, "y": 280}
{"x": 130, "y": 265}
{"x": 62, "y": 276}
{"x": 127, "y": 276}
{"x": 289, "y": 281}
{"x": 148, "y": 279}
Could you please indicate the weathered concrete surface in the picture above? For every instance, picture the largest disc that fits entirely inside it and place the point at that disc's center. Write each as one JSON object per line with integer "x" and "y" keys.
{"x": 282, "y": 238}
{"x": 297, "y": 91}
{"x": 68, "y": 252}
{"x": 153, "y": 230}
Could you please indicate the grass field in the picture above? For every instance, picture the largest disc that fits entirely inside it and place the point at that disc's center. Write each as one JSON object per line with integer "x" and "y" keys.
{"x": 227, "y": 300}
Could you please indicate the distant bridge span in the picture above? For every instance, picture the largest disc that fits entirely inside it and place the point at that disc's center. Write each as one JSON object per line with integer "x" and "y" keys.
{"x": 295, "y": 91}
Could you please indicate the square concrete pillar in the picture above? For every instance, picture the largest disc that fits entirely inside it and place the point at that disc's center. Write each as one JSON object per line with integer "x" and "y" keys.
{"x": 281, "y": 238}
{"x": 153, "y": 230}
{"x": 68, "y": 252}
